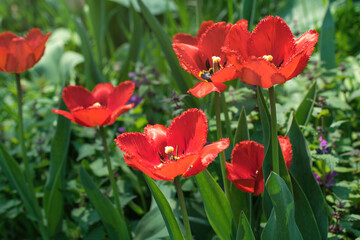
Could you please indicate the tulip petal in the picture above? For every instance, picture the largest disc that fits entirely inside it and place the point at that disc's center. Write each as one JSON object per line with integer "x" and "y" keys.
{"x": 207, "y": 155}
{"x": 171, "y": 169}
{"x": 91, "y": 117}
{"x": 117, "y": 112}
{"x": 307, "y": 41}
{"x": 37, "y": 42}
{"x": 138, "y": 165}
{"x": 286, "y": 150}
{"x": 64, "y": 113}
{"x": 6, "y": 38}
{"x": 156, "y": 134}
{"x": 20, "y": 57}
{"x": 201, "y": 89}
{"x": 137, "y": 146}
{"x": 261, "y": 73}
{"x": 77, "y": 96}
{"x": 272, "y": 36}
{"x": 185, "y": 39}
{"x": 120, "y": 95}
{"x": 203, "y": 28}
{"x": 226, "y": 74}
{"x": 188, "y": 131}
{"x": 101, "y": 93}
{"x": 236, "y": 42}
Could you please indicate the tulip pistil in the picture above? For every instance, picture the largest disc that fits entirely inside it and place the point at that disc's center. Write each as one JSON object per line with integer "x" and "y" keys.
{"x": 206, "y": 74}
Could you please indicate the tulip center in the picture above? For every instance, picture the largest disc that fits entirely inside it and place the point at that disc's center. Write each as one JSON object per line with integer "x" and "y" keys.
{"x": 216, "y": 66}
{"x": 169, "y": 153}
{"x": 96, "y": 105}
{"x": 268, "y": 58}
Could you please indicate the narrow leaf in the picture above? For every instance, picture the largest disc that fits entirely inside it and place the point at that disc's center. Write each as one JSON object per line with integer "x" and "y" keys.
{"x": 165, "y": 209}
{"x": 217, "y": 207}
{"x": 281, "y": 224}
{"x": 301, "y": 171}
{"x": 53, "y": 196}
{"x": 244, "y": 230}
{"x": 304, "y": 111}
{"x": 242, "y": 132}
{"x": 113, "y": 222}
{"x": 327, "y": 41}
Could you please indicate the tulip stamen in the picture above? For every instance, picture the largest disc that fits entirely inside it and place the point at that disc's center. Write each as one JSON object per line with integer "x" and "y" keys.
{"x": 268, "y": 58}
{"x": 206, "y": 74}
{"x": 96, "y": 105}
{"x": 169, "y": 152}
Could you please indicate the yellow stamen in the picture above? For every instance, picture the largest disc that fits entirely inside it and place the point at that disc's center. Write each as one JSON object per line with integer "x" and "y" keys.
{"x": 97, "y": 104}
{"x": 268, "y": 58}
{"x": 169, "y": 149}
{"x": 216, "y": 59}
{"x": 216, "y": 63}
{"x": 257, "y": 171}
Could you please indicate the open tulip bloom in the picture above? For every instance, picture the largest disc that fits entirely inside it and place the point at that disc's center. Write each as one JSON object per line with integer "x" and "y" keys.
{"x": 97, "y": 108}
{"x": 164, "y": 153}
{"x": 269, "y": 55}
{"x": 245, "y": 169}
{"x": 202, "y": 57}
{"x": 18, "y": 54}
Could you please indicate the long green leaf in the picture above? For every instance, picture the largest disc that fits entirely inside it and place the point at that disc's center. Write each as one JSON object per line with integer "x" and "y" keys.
{"x": 281, "y": 224}
{"x": 304, "y": 215}
{"x": 244, "y": 231}
{"x": 165, "y": 209}
{"x": 53, "y": 196}
{"x": 303, "y": 112}
{"x": 242, "y": 132}
{"x": 134, "y": 44}
{"x": 182, "y": 82}
{"x": 113, "y": 222}
{"x": 92, "y": 73}
{"x": 217, "y": 207}
{"x": 327, "y": 41}
{"x": 301, "y": 171}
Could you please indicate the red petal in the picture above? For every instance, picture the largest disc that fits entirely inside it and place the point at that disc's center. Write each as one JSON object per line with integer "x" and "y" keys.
{"x": 286, "y": 150}
{"x": 137, "y": 145}
{"x": 236, "y": 42}
{"x": 207, "y": 155}
{"x": 119, "y": 111}
{"x": 101, "y": 93}
{"x": 171, "y": 169}
{"x": 204, "y": 26}
{"x": 77, "y": 96}
{"x": 37, "y": 42}
{"x": 272, "y": 36}
{"x": 64, "y": 113}
{"x": 307, "y": 41}
{"x": 261, "y": 73}
{"x": 188, "y": 131}
{"x": 92, "y": 116}
{"x": 138, "y": 165}
{"x": 156, "y": 134}
{"x": 201, "y": 89}
{"x": 6, "y": 38}
{"x": 190, "y": 58}
{"x": 226, "y": 74}
{"x": 242, "y": 23}
{"x": 185, "y": 38}
{"x": 213, "y": 39}
{"x": 121, "y": 95}
{"x": 20, "y": 57}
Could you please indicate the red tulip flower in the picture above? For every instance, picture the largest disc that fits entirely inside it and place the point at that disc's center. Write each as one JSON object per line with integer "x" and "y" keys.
{"x": 269, "y": 55}
{"x": 164, "y": 153}
{"x": 245, "y": 169}
{"x": 202, "y": 57}
{"x": 18, "y": 54}
{"x": 97, "y": 108}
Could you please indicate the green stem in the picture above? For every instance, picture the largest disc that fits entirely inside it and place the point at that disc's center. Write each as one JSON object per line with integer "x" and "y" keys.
{"x": 222, "y": 154}
{"x": 250, "y": 209}
{"x": 230, "y": 11}
{"x": 26, "y": 161}
{"x": 111, "y": 174}
{"x": 183, "y": 207}
{"x": 227, "y": 119}
{"x": 198, "y": 13}
{"x": 274, "y": 145}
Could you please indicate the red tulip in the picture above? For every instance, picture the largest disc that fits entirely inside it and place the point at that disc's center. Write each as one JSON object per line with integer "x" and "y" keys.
{"x": 269, "y": 55}
{"x": 164, "y": 153}
{"x": 202, "y": 57}
{"x": 97, "y": 108}
{"x": 245, "y": 169}
{"x": 18, "y": 54}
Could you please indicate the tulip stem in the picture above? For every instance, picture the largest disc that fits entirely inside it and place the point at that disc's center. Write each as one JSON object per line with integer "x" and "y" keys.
{"x": 111, "y": 174}
{"x": 183, "y": 207}
{"x": 222, "y": 154}
{"x": 274, "y": 145}
{"x": 227, "y": 119}
{"x": 25, "y": 158}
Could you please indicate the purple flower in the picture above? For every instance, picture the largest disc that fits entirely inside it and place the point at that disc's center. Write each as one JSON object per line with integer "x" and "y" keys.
{"x": 323, "y": 142}
{"x": 329, "y": 179}
{"x": 323, "y": 149}
{"x": 318, "y": 178}
{"x": 135, "y": 99}
{"x": 121, "y": 130}
{"x": 132, "y": 74}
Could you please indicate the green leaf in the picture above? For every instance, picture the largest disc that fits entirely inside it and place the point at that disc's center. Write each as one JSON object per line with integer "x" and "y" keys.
{"x": 217, "y": 207}
{"x": 183, "y": 83}
{"x": 327, "y": 41}
{"x": 244, "y": 231}
{"x": 304, "y": 215}
{"x": 242, "y": 132}
{"x": 281, "y": 224}
{"x": 134, "y": 44}
{"x": 53, "y": 196}
{"x": 92, "y": 73}
{"x": 301, "y": 171}
{"x": 264, "y": 118}
{"x": 304, "y": 111}
{"x": 113, "y": 222}
{"x": 165, "y": 209}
